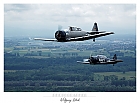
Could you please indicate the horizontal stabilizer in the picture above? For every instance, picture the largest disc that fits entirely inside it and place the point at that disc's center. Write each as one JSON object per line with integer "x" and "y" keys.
{"x": 95, "y": 32}
{"x": 116, "y": 60}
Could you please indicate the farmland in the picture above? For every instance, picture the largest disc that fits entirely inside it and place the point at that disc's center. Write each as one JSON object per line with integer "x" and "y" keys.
{"x": 127, "y": 75}
{"x": 48, "y": 66}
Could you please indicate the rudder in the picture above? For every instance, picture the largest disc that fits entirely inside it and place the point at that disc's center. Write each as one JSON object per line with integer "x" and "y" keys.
{"x": 95, "y": 27}
{"x": 115, "y": 57}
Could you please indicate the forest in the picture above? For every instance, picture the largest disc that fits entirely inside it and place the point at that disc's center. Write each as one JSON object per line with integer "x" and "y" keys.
{"x": 64, "y": 74}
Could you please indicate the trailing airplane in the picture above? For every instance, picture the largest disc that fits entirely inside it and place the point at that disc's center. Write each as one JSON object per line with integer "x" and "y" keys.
{"x": 100, "y": 59}
{"x": 76, "y": 34}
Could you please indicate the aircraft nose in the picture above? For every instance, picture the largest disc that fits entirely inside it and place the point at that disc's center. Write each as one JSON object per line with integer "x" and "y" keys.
{"x": 58, "y": 35}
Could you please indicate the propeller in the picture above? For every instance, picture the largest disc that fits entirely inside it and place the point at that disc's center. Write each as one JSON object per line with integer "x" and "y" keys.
{"x": 30, "y": 38}
{"x": 90, "y": 57}
{"x": 58, "y": 35}
{"x": 59, "y": 27}
{"x": 91, "y": 54}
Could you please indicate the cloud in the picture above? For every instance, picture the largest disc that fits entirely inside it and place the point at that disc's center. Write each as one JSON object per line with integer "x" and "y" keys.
{"x": 49, "y": 16}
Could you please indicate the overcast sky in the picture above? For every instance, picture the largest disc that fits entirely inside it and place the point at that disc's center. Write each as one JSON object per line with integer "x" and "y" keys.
{"x": 43, "y": 19}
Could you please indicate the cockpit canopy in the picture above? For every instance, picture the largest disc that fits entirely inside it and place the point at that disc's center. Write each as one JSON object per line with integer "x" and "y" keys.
{"x": 72, "y": 28}
{"x": 101, "y": 56}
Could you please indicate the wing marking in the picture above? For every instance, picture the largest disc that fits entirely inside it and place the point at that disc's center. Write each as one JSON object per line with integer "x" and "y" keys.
{"x": 90, "y": 36}
{"x": 44, "y": 39}
{"x": 95, "y": 32}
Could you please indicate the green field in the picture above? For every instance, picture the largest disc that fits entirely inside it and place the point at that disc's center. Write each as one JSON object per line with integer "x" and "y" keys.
{"x": 128, "y": 75}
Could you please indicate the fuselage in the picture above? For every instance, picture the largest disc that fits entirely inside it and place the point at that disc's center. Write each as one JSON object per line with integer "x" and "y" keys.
{"x": 101, "y": 59}
{"x": 98, "y": 59}
{"x": 74, "y": 34}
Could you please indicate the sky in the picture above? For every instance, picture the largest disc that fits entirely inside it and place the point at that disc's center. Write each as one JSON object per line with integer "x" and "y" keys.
{"x": 43, "y": 19}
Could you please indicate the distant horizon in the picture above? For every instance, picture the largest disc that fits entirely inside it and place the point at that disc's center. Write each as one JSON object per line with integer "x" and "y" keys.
{"x": 109, "y": 37}
{"x": 45, "y": 36}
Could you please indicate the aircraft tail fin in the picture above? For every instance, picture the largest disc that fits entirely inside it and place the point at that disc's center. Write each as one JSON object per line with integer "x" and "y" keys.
{"x": 95, "y": 27}
{"x": 115, "y": 57}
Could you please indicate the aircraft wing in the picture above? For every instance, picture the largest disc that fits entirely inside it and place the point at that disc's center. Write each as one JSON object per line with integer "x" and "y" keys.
{"x": 43, "y": 39}
{"x": 90, "y": 36}
{"x": 83, "y": 62}
{"x": 82, "y": 38}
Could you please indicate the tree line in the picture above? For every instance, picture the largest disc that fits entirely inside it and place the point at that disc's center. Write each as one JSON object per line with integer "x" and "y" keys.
{"x": 64, "y": 74}
{"x": 67, "y": 64}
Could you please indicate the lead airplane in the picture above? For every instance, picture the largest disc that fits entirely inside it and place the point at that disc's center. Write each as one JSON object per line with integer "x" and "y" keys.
{"x": 100, "y": 59}
{"x": 76, "y": 34}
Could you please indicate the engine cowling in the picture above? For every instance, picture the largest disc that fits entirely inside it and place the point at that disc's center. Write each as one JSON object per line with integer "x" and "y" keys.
{"x": 60, "y": 36}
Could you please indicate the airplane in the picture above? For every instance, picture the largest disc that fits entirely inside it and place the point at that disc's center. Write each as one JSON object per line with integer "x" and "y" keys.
{"x": 76, "y": 34}
{"x": 100, "y": 59}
